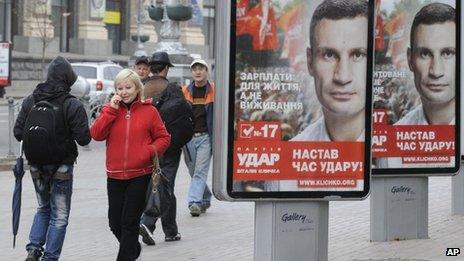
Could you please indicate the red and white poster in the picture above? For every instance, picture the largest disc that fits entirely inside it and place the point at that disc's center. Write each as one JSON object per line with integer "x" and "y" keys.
{"x": 414, "y": 90}
{"x": 5, "y": 64}
{"x": 300, "y": 106}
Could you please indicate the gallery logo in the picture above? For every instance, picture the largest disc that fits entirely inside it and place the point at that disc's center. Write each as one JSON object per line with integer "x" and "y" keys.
{"x": 402, "y": 189}
{"x": 295, "y": 217}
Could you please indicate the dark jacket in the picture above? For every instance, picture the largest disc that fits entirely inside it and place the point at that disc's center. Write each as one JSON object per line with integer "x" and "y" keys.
{"x": 209, "y": 103}
{"x": 60, "y": 78}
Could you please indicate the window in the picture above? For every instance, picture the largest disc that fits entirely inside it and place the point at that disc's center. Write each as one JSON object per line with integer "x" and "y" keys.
{"x": 110, "y": 72}
{"x": 88, "y": 72}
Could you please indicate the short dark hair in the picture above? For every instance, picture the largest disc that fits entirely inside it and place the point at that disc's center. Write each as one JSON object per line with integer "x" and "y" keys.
{"x": 433, "y": 13}
{"x": 156, "y": 68}
{"x": 337, "y": 10}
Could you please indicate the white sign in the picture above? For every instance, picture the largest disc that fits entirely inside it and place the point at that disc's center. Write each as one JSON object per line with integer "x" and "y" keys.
{"x": 4, "y": 64}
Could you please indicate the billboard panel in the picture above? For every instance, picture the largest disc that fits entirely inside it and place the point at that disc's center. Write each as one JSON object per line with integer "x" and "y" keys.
{"x": 416, "y": 87}
{"x": 299, "y": 103}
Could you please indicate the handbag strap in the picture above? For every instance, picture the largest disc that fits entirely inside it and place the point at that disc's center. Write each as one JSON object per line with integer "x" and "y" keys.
{"x": 156, "y": 164}
{"x": 156, "y": 174}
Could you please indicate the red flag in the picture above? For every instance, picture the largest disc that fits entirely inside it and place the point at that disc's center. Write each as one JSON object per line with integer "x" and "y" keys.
{"x": 379, "y": 32}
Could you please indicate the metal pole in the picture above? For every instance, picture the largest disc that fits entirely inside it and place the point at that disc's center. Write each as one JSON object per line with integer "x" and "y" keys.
{"x": 139, "y": 17}
{"x": 11, "y": 108}
{"x": 7, "y": 32}
{"x": 139, "y": 4}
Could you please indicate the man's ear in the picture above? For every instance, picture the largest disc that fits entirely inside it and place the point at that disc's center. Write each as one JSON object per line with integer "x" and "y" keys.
{"x": 309, "y": 57}
{"x": 410, "y": 60}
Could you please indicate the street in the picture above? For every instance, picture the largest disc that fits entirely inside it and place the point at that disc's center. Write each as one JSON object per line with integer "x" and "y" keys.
{"x": 225, "y": 232}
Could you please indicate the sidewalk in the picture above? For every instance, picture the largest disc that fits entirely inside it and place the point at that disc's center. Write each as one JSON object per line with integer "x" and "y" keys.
{"x": 225, "y": 232}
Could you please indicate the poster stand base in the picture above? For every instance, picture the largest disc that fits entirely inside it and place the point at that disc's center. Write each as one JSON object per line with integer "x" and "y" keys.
{"x": 457, "y": 193}
{"x": 291, "y": 230}
{"x": 399, "y": 208}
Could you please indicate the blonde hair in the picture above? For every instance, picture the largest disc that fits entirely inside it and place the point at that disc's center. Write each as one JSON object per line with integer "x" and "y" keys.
{"x": 130, "y": 75}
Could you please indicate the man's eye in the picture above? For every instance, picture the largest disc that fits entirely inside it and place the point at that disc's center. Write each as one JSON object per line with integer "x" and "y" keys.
{"x": 425, "y": 54}
{"x": 329, "y": 56}
{"x": 447, "y": 54}
{"x": 358, "y": 56}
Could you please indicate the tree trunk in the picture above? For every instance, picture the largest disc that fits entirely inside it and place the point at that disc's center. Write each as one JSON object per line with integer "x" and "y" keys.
{"x": 44, "y": 46}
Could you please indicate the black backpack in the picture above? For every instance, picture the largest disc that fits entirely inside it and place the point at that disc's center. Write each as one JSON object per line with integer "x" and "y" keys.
{"x": 177, "y": 116}
{"x": 39, "y": 139}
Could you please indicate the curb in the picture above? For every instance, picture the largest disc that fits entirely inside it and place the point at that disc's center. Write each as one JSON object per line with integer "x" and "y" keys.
{"x": 7, "y": 164}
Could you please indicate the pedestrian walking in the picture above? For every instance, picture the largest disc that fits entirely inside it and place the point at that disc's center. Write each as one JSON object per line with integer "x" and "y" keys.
{"x": 133, "y": 131}
{"x": 198, "y": 152}
{"x": 177, "y": 115}
{"x": 49, "y": 123}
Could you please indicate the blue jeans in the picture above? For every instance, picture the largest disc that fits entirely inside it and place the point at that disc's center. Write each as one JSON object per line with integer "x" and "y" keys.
{"x": 197, "y": 158}
{"x": 53, "y": 187}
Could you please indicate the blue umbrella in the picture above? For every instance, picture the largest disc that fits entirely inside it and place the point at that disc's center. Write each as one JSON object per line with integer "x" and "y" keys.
{"x": 18, "y": 172}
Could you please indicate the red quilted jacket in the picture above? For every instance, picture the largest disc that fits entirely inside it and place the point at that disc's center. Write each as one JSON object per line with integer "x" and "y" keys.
{"x": 132, "y": 136}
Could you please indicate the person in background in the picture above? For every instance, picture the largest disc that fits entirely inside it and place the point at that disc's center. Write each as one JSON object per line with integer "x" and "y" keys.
{"x": 52, "y": 175}
{"x": 198, "y": 152}
{"x": 142, "y": 67}
{"x": 165, "y": 96}
{"x": 134, "y": 132}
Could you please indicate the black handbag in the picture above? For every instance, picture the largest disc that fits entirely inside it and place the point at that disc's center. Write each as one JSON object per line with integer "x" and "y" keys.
{"x": 159, "y": 193}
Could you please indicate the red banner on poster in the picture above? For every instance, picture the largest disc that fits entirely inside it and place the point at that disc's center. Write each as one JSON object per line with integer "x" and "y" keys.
{"x": 262, "y": 160}
{"x": 413, "y": 140}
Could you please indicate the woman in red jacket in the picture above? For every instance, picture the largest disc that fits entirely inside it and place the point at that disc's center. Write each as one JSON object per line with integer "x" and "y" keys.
{"x": 133, "y": 131}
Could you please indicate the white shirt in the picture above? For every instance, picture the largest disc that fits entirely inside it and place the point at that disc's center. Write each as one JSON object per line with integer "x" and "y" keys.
{"x": 317, "y": 131}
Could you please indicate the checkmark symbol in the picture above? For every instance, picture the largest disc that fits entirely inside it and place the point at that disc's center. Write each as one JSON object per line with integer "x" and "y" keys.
{"x": 248, "y": 131}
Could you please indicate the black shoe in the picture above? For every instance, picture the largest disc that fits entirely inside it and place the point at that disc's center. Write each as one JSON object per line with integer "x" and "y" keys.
{"x": 33, "y": 255}
{"x": 177, "y": 237}
{"x": 147, "y": 235}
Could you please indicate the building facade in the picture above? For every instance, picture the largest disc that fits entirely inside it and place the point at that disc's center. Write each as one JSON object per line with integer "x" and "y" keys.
{"x": 95, "y": 28}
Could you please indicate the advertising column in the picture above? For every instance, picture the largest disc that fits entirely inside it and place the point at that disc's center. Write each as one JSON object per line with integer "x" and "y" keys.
{"x": 293, "y": 116}
{"x": 416, "y": 105}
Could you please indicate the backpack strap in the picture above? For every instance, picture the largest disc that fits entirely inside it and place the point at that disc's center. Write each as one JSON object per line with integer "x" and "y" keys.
{"x": 64, "y": 108}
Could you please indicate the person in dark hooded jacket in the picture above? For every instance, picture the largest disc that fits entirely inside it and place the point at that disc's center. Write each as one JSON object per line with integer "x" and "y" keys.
{"x": 53, "y": 182}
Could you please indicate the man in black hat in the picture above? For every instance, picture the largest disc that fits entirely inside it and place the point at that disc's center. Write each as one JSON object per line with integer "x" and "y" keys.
{"x": 169, "y": 100}
{"x": 142, "y": 67}
{"x": 160, "y": 64}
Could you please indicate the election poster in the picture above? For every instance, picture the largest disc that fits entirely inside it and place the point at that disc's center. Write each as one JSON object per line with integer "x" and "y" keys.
{"x": 416, "y": 87}
{"x": 5, "y": 63}
{"x": 300, "y": 73}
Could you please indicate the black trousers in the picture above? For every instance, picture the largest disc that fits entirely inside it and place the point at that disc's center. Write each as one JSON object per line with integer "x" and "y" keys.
{"x": 126, "y": 203}
{"x": 169, "y": 165}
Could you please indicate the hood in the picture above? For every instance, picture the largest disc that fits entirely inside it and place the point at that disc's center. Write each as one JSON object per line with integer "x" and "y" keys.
{"x": 60, "y": 78}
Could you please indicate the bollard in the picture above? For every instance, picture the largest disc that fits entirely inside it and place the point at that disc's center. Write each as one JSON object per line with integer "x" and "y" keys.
{"x": 11, "y": 108}
{"x": 86, "y": 102}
